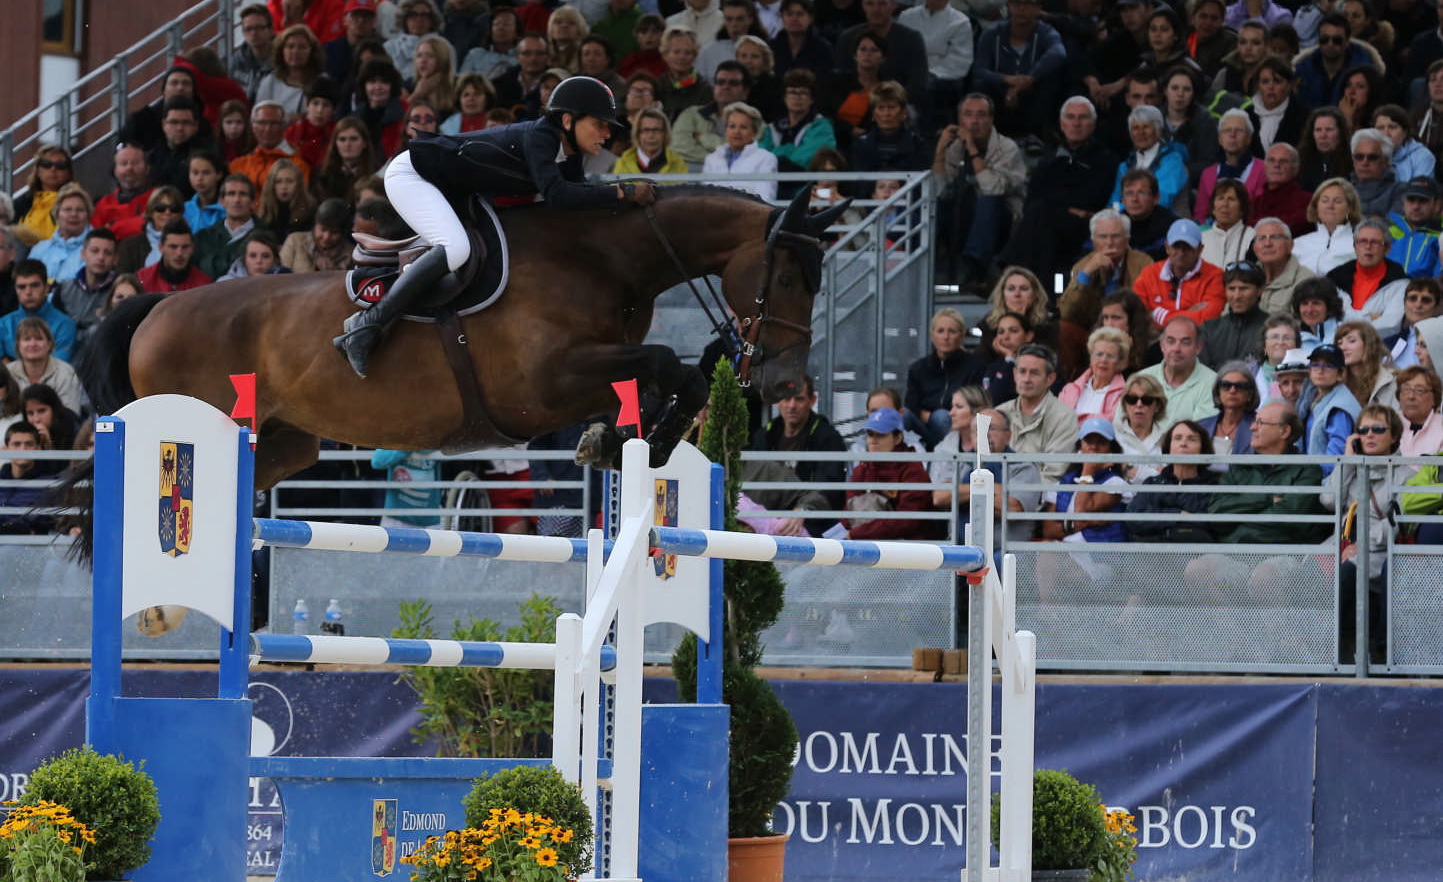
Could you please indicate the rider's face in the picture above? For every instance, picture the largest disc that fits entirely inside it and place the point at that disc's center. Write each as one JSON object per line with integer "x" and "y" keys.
{"x": 591, "y": 134}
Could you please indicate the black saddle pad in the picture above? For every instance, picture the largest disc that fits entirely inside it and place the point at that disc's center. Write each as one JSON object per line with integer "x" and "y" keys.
{"x": 367, "y": 285}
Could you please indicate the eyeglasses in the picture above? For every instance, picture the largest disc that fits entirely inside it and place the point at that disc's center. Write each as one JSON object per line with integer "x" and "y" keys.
{"x": 61, "y": 164}
{"x": 1373, "y": 430}
{"x": 1133, "y": 400}
{"x": 1241, "y": 265}
{"x": 1106, "y": 356}
{"x": 165, "y": 208}
{"x": 1282, "y": 337}
{"x": 1367, "y": 157}
{"x": 1335, "y": 40}
{"x": 1271, "y": 237}
{"x": 1259, "y": 421}
{"x": 1415, "y": 389}
{"x": 423, "y": 118}
{"x": 1232, "y": 385}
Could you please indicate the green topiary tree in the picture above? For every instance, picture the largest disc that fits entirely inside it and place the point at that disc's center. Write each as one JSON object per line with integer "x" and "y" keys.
{"x": 763, "y": 737}
{"x": 541, "y": 791}
{"x": 110, "y": 796}
{"x": 1068, "y": 827}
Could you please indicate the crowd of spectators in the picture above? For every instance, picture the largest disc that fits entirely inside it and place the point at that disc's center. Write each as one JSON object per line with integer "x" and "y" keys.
{"x": 1241, "y": 199}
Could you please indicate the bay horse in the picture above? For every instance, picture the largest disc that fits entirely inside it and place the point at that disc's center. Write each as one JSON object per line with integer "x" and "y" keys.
{"x": 572, "y": 320}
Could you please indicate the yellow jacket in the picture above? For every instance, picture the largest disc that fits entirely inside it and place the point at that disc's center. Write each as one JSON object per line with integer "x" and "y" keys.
{"x": 628, "y": 164}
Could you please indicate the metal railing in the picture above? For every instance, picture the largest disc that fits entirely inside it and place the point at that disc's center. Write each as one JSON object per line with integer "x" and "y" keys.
{"x": 1124, "y": 606}
{"x": 86, "y": 118}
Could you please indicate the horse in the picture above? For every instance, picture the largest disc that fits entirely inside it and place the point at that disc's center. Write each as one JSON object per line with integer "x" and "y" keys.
{"x": 571, "y": 321}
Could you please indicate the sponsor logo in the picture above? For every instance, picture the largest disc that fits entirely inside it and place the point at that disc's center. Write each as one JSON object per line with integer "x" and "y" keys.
{"x": 667, "y": 508}
{"x": 372, "y": 291}
{"x": 177, "y": 492}
{"x": 383, "y": 837}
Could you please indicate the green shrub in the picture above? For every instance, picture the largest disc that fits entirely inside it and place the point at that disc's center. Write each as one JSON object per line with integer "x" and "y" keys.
{"x": 110, "y": 796}
{"x": 541, "y": 791}
{"x": 1068, "y": 829}
{"x": 479, "y": 712}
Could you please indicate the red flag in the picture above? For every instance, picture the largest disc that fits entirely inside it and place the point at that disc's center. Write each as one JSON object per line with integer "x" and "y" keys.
{"x": 630, "y": 414}
{"x": 245, "y": 397}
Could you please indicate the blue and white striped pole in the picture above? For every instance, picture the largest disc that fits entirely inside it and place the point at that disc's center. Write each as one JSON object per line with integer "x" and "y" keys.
{"x": 822, "y": 552}
{"x": 337, "y": 650}
{"x": 319, "y": 536}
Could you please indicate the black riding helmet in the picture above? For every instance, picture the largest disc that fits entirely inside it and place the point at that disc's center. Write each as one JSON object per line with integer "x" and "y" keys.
{"x": 582, "y": 96}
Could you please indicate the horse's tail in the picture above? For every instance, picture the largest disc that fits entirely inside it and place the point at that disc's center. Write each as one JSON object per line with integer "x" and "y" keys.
{"x": 105, "y": 362}
{"x": 104, "y": 368}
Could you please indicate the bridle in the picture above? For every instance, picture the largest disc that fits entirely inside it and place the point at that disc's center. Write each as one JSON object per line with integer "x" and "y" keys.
{"x": 742, "y": 336}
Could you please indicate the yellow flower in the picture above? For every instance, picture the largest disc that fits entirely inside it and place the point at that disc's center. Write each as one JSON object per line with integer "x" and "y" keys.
{"x": 483, "y": 864}
{"x": 530, "y": 842}
{"x": 546, "y": 857}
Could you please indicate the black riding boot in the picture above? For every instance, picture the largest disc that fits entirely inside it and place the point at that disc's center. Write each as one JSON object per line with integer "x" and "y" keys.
{"x": 365, "y": 329}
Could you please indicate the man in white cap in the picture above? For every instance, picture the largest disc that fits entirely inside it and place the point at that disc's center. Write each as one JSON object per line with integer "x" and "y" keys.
{"x": 1183, "y": 284}
{"x": 1289, "y": 377}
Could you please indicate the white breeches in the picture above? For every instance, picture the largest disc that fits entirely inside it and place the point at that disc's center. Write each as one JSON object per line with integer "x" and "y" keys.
{"x": 421, "y": 205}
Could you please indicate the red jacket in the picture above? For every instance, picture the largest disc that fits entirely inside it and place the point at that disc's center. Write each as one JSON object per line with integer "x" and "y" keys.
{"x": 1200, "y": 298}
{"x": 155, "y": 283}
{"x": 310, "y": 142}
{"x": 212, "y": 92}
{"x": 125, "y": 219}
{"x": 913, "y": 472}
{"x": 323, "y": 17}
{"x": 1288, "y": 203}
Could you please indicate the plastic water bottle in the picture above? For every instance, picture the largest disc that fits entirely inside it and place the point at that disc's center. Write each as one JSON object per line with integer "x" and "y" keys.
{"x": 301, "y": 618}
{"x": 332, "y": 623}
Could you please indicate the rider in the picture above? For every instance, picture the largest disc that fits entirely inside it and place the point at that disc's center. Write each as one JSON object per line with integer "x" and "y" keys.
{"x": 538, "y": 156}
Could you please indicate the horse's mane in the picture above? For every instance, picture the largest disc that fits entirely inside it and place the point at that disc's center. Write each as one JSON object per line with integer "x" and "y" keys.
{"x": 676, "y": 191}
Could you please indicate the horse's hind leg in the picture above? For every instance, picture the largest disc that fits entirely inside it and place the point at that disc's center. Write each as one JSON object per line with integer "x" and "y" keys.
{"x": 281, "y": 451}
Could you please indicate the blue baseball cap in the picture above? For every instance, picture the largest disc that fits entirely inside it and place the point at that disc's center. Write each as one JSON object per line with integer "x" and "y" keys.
{"x": 884, "y": 420}
{"x": 1185, "y": 231}
{"x": 1097, "y": 426}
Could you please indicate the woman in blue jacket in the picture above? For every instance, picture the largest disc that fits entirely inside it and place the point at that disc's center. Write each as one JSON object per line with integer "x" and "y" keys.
{"x": 1167, "y": 160}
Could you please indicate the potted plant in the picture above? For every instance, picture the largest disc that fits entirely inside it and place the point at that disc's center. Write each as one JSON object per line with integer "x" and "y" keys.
{"x": 43, "y": 843}
{"x": 108, "y": 795}
{"x": 1075, "y": 838}
{"x": 763, "y": 737}
{"x": 541, "y": 791}
{"x": 526, "y": 823}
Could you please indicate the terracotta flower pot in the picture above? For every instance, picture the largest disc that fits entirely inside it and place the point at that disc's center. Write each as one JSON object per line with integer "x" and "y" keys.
{"x": 756, "y": 858}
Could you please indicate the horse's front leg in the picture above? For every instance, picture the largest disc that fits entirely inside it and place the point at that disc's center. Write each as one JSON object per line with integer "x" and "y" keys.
{"x": 672, "y": 394}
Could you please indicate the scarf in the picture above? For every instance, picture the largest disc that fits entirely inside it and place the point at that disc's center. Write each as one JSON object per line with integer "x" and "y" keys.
{"x": 1269, "y": 120}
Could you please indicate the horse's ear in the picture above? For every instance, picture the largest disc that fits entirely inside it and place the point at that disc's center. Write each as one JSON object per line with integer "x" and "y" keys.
{"x": 827, "y": 216}
{"x": 795, "y": 218}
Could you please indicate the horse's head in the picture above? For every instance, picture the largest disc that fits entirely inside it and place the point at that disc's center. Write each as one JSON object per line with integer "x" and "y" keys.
{"x": 776, "y": 326}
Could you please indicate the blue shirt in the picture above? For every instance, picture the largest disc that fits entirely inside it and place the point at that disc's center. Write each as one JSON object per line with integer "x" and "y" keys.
{"x": 61, "y": 256}
{"x": 61, "y": 325}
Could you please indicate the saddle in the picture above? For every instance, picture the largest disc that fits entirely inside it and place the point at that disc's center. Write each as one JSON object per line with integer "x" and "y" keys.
{"x": 470, "y": 289}
{"x": 474, "y": 287}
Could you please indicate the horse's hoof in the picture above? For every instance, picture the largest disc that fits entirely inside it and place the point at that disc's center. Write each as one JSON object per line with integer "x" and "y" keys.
{"x": 599, "y": 447}
{"x": 158, "y": 620}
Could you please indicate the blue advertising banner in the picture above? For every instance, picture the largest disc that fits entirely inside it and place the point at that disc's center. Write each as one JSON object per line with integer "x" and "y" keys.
{"x": 1219, "y": 777}
{"x": 1380, "y": 784}
{"x": 1227, "y": 781}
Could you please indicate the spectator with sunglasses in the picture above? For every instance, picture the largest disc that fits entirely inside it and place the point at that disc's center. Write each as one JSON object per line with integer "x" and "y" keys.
{"x": 1235, "y": 333}
{"x": 1379, "y": 190}
{"x": 1327, "y": 406}
{"x": 1320, "y": 70}
{"x": 165, "y": 205}
{"x": 1140, "y": 421}
{"x": 1235, "y": 395}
